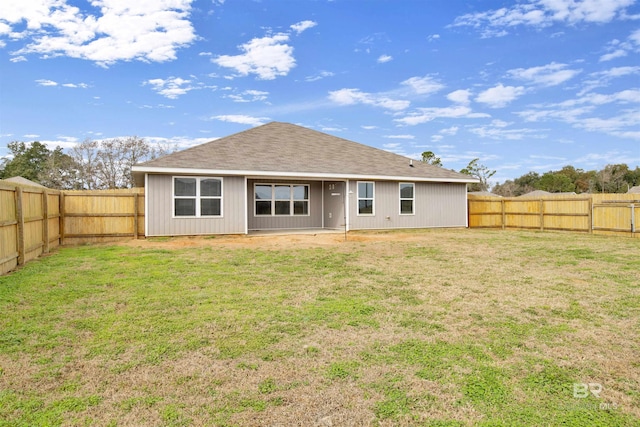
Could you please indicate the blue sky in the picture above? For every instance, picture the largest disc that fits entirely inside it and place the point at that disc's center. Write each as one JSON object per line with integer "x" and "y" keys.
{"x": 528, "y": 85}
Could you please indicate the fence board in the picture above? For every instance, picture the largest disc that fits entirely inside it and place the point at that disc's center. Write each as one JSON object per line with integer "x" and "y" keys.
{"x": 8, "y": 230}
{"x": 613, "y": 214}
{"x": 102, "y": 216}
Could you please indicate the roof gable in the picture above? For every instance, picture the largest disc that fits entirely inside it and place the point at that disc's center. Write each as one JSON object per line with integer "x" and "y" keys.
{"x": 290, "y": 149}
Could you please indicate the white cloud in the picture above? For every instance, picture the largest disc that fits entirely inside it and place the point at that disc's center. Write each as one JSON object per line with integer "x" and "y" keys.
{"x": 384, "y": 58}
{"x": 583, "y": 113}
{"x": 331, "y": 129}
{"x": 623, "y": 97}
{"x": 620, "y": 49}
{"x": 423, "y": 85}
{"x": 433, "y": 37}
{"x": 604, "y": 78}
{"x": 406, "y": 136}
{"x": 18, "y": 59}
{"x": 453, "y": 130}
{"x": 423, "y": 115}
{"x": 150, "y": 31}
{"x": 266, "y": 57}
{"x": 171, "y": 87}
{"x": 369, "y": 127}
{"x": 51, "y": 83}
{"x": 249, "y": 96}
{"x": 302, "y": 26}
{"x": 392, "y": 145}
{"x": 619, "y": 53}
{"x": 76, "y": 85}
{"x": 321, "y": 75}
{"x": 498, "y": 130}
{"x": 500, "y": 95}
{"x": 44, "y": 82}
{"x": 355, "y": 96}
{"x": 460, "y": 96}
{"x": 242, "y": 119}
{"x": 543, "y": 13}
{"x": 547, "y": 75}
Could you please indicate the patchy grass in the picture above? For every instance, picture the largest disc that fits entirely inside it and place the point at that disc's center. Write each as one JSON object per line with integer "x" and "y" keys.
{"x": 429, "y": 327}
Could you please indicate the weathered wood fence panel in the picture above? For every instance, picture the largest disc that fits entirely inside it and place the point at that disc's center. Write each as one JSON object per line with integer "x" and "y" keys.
{"x": 613, "y": 214}
{"x": 616, "y": 214}
{"x": 29, "y": 218}
{"x": 8, "y": 229}
{"x": 102, "y": 216}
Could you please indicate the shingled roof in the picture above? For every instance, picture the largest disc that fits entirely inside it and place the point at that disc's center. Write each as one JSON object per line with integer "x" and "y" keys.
{"x": 284, "y": 149}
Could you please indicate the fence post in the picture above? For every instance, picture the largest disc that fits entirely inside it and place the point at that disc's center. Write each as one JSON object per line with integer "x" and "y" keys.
{"x": 45, "y": 224}
{"x": 504, "y": 215}
{"x": 61, "y": 209}
{"x": 20, "y": 219}
{"x": 135, "y": 216}
{"x": 633, "y": 219}
{"x": 590, "y": 218}
{"x": 541, "y": 214}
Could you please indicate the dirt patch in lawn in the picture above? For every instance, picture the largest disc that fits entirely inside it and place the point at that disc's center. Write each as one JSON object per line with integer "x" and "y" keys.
{"x": 273, "y": 241}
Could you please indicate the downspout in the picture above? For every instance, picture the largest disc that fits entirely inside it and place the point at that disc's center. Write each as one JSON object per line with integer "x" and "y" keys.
{"x": 466, "y": 204}
{"x": 322, "y": 204}
{"x": 146, "y": 205}
{"x": 246, "y": 206}
{"x": 346, "y": 206}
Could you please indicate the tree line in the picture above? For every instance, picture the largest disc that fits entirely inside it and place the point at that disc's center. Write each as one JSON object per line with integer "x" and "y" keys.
{"x": 613, "y": 178}
{"x": 89, "y": 165}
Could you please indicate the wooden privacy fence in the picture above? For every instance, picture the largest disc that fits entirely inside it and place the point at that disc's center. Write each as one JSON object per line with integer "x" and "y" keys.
{"x": 613, "y": 214}
{"x": 101, "y": 216}
{"x": 34, "y": 220}
{"x": 29, "y": 224}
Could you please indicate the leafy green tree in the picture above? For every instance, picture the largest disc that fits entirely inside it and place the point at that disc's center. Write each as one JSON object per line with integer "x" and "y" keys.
{"x": 430, "y": 158}
{"x": 556, "y": 182}
{"x": 506, "y": 189}
{"x": 60, "y": 171}
{"x": 632, "y": 177}
{"x": 527, "y": 183}
{"x": 27, "y": 160}
{"x": 481, "y": 172}
{"x": 611, "y": 179}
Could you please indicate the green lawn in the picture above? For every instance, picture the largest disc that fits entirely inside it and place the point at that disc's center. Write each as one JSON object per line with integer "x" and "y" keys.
{"x": 428, "y": 328}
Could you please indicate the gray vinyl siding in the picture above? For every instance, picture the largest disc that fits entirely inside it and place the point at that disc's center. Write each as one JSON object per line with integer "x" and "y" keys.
{"x": 160, "y": 220}
{"x": 313, "y": 220}
{"x": 435, "y": 205}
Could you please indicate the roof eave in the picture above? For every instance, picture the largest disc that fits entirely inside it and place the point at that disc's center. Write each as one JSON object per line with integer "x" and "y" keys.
{"x": 307, "y": 175}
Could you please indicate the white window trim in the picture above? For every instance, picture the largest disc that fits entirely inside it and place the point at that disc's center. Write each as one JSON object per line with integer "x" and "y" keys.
{"x": 273, "y": 200}
{"x": 197, "y": 197}
{"x": 413, "y": 199}
{"x": 372, "y": 198}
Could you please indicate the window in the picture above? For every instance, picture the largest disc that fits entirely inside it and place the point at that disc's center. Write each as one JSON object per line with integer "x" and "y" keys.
{"x": 197, "y": 196}
{"x": 406, "y": 198}
{"x": 281, "y": 199}
{"x": 365, "y": 198}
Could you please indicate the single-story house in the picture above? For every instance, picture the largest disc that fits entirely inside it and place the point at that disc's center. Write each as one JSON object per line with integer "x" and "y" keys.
{"x": 284, "y": 176}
